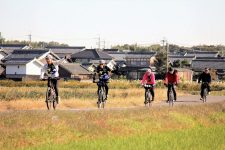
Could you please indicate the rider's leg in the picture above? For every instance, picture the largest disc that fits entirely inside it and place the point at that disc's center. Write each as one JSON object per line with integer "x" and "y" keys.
{"x": 55, "y": 84}
{"x": 153, "y": 93}
{"x": 168, "y": 89}
{"x": 106, "y": 90}
{"x": 209, "y": 89}
{"x": 202, "y": 88}
{"x": 145, "y": 95}
{"x": 174, "y": 93}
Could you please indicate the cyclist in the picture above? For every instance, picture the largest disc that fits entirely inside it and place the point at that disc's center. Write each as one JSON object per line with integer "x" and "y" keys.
{"x": 149, "y": 79}
{"x": 205, "y": 77}
{"x": 51, "y": 69}
{"x": 171, "y": 80}
{"x": 103, "y": 72}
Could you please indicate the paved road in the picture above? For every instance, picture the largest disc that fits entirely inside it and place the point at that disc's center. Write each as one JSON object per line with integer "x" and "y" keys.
{"x": 184, "y": 100}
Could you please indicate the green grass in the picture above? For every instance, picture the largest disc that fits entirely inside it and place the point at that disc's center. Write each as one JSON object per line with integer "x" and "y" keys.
{"x": 197, "y": 138}
{"x": 183, "y": 127}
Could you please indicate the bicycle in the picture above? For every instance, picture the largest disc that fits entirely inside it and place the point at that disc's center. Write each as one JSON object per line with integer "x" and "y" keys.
{"x": 148, "y": 96}
{"x": 51, "y": 96}
{"x": 101, "y": 94}
{"x": 205, "y": 91}
{"x": 171, "y": 95}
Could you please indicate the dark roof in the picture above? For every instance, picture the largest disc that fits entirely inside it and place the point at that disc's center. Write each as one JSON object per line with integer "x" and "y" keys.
{"x": 12, "y": 45}
{"x": 213, "y": 64}
{"x": 9, "y": 48}
{"x": 75, "y": 69}
{"x": 91, "y": 54}
{"x": 110, "y": 50}
{"x": 131, "y": 55}
{"x": 3, "y": 53}
{"x": 65, "y": 47}
{"x": 62, "y": 51}
{"x": 202, "y": 54}
{"x": 24, "y": 56}
{"x": 207, "y": 58}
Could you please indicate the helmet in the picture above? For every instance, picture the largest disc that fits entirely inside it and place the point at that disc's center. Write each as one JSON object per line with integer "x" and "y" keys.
{"x": 49, "y": 57}
{"x": 102, "y": 62}
{"x": 149, "y": 70}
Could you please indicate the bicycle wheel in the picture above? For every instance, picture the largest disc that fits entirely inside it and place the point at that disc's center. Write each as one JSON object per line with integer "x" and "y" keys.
{"x": 205, "y": 92}
{"x": 149, "y": 98}
{"x": 171, "y": 99}
{"x": 54, "y": 102}
{"x": 100, "y": 98}
{"x": 48, "y": 101}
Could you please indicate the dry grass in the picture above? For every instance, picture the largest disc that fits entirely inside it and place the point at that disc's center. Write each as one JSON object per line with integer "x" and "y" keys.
{"x": 117, "y": 98}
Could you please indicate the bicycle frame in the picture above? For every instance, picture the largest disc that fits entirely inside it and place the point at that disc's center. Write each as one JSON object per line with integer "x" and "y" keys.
{"x": 101, "y": 94}
{"x": 51, "y": 96}
{"x": 171, "y": 95}
{"x": 148, "y": 95}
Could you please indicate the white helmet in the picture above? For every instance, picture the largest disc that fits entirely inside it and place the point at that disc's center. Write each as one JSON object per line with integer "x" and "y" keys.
{"x": 49, "y": 57}
{"x": 102, "y": 62}
{"x": 149, "y": 70}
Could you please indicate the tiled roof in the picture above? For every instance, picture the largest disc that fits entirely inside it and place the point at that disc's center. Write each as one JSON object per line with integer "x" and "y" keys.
{"x": 91, "y": 54}
{"x": 24, "y": 56}
{"x": 213, "y": 64}
{"x": 75, "y": 69}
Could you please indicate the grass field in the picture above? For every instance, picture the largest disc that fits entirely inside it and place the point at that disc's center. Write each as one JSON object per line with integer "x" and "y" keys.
{"x": 184, "y": 127}
{"x": 28, "y": 125}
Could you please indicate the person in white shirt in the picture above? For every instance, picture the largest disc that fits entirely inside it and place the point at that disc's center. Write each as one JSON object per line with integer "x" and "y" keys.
{"x": 51, "y": 69}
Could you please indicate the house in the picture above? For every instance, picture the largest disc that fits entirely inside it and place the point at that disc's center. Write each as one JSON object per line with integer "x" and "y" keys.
{"x": 137, "y": 63}
{"x": 90, "y": 56}
{"x": 189, "y": 59}
{"x": 63, "y": 51}
{"x": 26, "y": 64}
{"x": 9, "y": 48}
{"x": 214, "y": 64}
{"x": 185, "y": 74}
{"x": 202, "y": 54}
{"x": 74, "y": 71}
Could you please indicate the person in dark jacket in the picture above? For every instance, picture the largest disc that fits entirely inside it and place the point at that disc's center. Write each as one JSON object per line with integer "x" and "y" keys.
{"x": 103, "y": 72}
{"x": 205, "y": 77}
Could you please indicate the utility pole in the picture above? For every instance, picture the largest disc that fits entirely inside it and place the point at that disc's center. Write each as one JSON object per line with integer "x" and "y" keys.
{"x": 1, "y": 38}
{"x": 29, "y": 38}
{"x": 99, "y": 43}
{"x": 166, "y": 48}
{"x": 103, "y": 44}
{"x": 167, "y": 56}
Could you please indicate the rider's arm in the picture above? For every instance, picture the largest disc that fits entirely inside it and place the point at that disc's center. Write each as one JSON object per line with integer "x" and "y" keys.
{"x": 43, "y": 71}
{"x": 143, "y": 81}
{"x": 200, "y": 78}
{"x": 166, "y": 79}
{"x": 210, "y": 79}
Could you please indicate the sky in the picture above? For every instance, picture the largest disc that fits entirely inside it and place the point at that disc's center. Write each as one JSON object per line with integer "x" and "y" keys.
{"x": 145, "y": 22}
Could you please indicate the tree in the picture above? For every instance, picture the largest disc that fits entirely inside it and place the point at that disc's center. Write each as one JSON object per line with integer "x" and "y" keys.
{"x": 185, "y": 63}
{"x": 160, "y": 65}
{"x": 176, "y": 63}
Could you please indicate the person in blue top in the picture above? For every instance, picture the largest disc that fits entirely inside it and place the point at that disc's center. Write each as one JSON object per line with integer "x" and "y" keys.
{"x": 103, "y": 71}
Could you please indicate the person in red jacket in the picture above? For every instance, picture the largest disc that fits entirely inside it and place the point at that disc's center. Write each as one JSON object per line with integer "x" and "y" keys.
{"x": 149, "y": 79}
{"x": 171, "y": 80}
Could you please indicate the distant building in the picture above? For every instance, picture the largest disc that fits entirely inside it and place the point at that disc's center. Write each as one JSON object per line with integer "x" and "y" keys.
{"x": 63, "y": 51}
{"x": 90, "y": 56}
{"x": 214, "y": 64}
{"x": 9, "y": 48}
{"x": 74, "y": 71}
{"x": 202, "y": 54}
{"x": 26, "y": 64}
